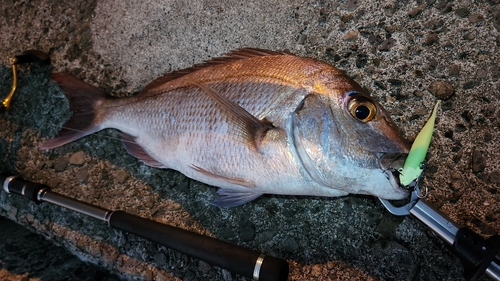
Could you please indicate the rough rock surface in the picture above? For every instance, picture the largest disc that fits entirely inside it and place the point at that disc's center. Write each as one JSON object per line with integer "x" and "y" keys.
{"x": 396, "y": 49}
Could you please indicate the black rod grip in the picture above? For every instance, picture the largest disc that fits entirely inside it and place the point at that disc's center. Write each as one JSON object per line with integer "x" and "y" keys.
{"x": 23, "y": 187}
{"x": 216, "y": 252}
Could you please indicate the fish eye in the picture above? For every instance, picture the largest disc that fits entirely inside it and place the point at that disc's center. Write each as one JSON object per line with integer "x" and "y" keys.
{"x": 362, "y": 109}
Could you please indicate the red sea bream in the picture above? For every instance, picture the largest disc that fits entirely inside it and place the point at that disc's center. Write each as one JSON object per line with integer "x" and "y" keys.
{"x": 254, "y": 122}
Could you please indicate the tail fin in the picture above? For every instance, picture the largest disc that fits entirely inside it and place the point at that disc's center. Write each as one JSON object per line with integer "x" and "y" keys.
{"x": 83, "y": 99}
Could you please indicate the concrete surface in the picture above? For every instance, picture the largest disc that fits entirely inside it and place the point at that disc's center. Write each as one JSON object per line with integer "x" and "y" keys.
{"x": 407, "y": 53}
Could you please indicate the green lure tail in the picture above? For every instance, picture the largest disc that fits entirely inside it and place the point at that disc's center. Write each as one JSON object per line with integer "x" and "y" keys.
{"x": 412, "y": 168}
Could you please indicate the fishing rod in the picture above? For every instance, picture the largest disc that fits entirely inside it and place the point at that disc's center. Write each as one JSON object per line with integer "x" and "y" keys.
{"x": 478, "y": 255}
{"x": 234, "y": 258}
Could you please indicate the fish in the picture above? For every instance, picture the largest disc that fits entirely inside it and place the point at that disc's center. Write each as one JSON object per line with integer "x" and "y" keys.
{"x": 252, "y": 122}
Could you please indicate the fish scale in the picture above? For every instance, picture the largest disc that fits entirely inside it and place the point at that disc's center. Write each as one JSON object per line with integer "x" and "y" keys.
{"x": 255, "y": 122}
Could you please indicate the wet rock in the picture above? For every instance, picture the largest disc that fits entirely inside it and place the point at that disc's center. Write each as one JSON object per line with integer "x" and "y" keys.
{"x": 173, "y": 206}
{"x": 204, "y": 267}
{"x": 60, "y": 164}
{"x": 476, "y": 18}
{"x": 418, "y": 93}
{"x": 316, "y": 270}
{"x": 390, "y": 9}
{"x": 330, "y": 52}
{"x": 431, "y": 38}
{"x": 325, "y": 33}
{"x": 433, "y": 63}
{"x": 467, "y": 116}
{"x": 342, "y": 26}
{"x": 247, "y": 232}
{"x": 121, "y": 176}
{"x": 313, "y": 39}
{"x": 323, "y": 15}
{"x": 82, "y": 175}
{"x": 387, "y": 44}
{"x": 441, "y": 89}
{"x": 372, "y": 39}
{"x": 487, "y": 137}
{"x": 351, "y": 5}
{"x": 302, "y": 39}
{"x": 23, "y": 156}
{"x": 289, "y": 244}
{"x": 351, "y": 35}
{"x": 388, "y": 225}
{"x": 448, "y": 134}
{"x": 392, "y": 28}
{"x": 361, "y": 60}
{"x": 470, "y": 35}
{"x": 433, "y": 24}
{"x": 420, "y": 111}
{"x": 448, "y": 8}
{"x": 346, "y": 18}
{"x": 489, "y": 110}
{"x": 495, "y": 71}
{"x": 78, "y": 158}
{"x": 496, "y": 20}
{"x": 462, "y": 12}
{"x": 494, "y": 177}
{"x": 471, "y": 84}
{"x": 395, "y": 82}
{"x": 460, "y": 128}
{"x": 379, "y": 63}
{"x": 266, "y": 236}
{"x": 478, "y": 161}
{"x": 160, "y": 259}
{"x": 417, "y": 10}
{"x": 454, "y": 70}
{"x": 379, "y": 84}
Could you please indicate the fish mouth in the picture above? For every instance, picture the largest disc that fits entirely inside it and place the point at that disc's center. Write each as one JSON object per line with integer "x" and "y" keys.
{"x": 391, "y": 163}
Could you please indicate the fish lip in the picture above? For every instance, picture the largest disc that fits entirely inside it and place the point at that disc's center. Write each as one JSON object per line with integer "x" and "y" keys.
{"x": 391, "y": 164}
{"x": 400, "y": 191}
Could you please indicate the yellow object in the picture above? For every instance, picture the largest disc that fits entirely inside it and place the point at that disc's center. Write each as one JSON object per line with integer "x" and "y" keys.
{"x": 412, "y": 168}
{"x": 8, "y": 99}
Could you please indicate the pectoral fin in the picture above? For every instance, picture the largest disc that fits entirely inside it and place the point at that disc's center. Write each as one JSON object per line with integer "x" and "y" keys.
{"x": 211, "y": 175}
{"x": 248, "y": 125}
{"x": 138, "y": 152}
{"x": 232, "y": 198}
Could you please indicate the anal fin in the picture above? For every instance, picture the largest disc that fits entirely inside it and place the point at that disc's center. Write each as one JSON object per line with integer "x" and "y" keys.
{"x": 138, "y": 152}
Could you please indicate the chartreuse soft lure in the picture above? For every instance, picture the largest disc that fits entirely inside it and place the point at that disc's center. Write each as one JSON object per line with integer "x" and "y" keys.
{"x": 412, "y": 168}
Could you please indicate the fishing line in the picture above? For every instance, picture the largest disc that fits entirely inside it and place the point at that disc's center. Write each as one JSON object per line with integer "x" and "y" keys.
{"x": 99, "y": 134}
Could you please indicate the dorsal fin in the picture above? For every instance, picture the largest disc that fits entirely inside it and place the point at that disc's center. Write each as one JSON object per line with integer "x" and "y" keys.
{"x": 236, "y": 55}
{"x": 248, "y": 125}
